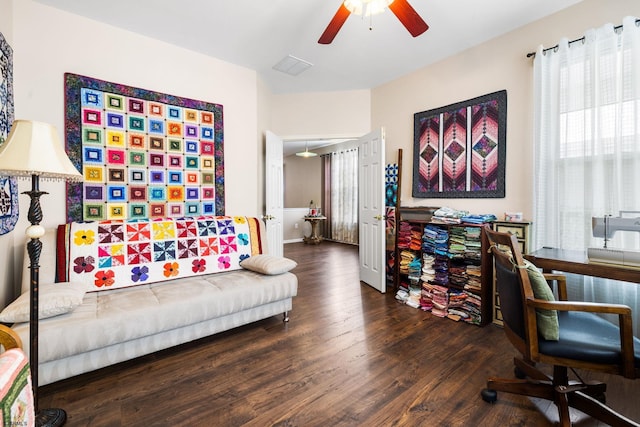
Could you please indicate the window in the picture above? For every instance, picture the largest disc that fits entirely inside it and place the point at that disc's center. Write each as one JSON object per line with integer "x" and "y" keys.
{"x": 587, "y": 136}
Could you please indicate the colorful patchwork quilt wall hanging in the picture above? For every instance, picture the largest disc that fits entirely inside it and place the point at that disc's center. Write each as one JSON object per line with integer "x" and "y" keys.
{"x": 143, "y": 154}
{"x": 8, "y": 185}
{"x": 116, "y": 254}
{"x": 460, "y": 150}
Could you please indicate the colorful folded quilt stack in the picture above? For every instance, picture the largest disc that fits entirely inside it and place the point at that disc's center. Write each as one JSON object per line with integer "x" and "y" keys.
{"x": 440, "y": 265}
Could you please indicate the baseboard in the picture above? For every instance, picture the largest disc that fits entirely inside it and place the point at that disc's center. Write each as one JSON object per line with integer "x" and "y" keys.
{"x": 293, "y": 241}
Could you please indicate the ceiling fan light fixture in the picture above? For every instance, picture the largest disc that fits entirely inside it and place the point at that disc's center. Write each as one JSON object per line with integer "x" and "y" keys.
{"x": 367, "y": 7}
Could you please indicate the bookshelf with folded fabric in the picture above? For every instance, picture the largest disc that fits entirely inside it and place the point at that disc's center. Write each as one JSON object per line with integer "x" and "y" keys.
{"x": 448, "y": 273}
{"x": 410, "y": 222}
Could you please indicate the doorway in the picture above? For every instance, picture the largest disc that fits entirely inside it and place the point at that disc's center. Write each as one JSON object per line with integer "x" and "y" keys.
{"x": 371, "y": 206}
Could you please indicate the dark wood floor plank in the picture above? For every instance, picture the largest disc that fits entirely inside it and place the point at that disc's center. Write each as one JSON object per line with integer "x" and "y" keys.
{"x": 349, "y": 356}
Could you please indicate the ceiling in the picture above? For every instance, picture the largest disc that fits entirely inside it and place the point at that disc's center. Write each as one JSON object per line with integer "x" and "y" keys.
{"x": 257, "y": 34}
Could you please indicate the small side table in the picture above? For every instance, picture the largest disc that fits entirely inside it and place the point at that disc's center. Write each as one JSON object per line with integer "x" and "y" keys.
{"x": 313, "y": 238}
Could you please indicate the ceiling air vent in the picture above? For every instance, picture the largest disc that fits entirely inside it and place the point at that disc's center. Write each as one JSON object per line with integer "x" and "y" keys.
{"x": 292, "y": 65}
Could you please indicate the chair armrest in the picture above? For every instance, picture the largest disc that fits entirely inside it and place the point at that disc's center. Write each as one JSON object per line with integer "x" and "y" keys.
{"x": 591, "y": 307}
{"x": 9, "y": 338}
{"x": 624, "y": 321}
{"x": 561, "y": 280}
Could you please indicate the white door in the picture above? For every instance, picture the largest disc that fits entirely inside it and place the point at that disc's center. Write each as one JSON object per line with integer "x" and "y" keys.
{"x": 274, "y": 194}
{"x": 371, "y": 209}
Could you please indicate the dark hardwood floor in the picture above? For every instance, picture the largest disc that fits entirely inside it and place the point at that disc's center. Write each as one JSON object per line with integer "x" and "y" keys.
{"x": 349, "y": 356}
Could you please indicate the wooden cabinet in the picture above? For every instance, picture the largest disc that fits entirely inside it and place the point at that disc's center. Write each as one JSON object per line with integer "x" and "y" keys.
{"x": 522, "y": 230}
{"x": 444, "y": 268}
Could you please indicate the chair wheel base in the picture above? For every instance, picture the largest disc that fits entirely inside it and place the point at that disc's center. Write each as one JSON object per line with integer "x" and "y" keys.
{"x": 488, "y": 395}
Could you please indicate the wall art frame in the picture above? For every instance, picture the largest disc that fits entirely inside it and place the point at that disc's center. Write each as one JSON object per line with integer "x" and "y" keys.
{"x": 143, "y": 154}
{"x": 460, "y": 149}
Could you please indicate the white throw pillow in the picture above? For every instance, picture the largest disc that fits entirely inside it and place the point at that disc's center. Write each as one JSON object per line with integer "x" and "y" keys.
{"x": 53, "y": 299}
{"x": 268, "y": 264}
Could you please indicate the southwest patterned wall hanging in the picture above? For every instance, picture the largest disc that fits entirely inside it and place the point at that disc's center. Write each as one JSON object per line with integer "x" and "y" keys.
{"x": 8, "y": 185}
{"x": 459, "y": 150}
{"x": 143, "y": 154}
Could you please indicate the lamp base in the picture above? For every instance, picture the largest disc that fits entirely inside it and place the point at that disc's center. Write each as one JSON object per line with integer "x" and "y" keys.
{"x": 51, "y": 417}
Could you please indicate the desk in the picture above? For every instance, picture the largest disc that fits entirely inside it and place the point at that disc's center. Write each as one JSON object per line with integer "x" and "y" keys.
{"x": 313, "y": 238}
{"x": 576, "y": 262}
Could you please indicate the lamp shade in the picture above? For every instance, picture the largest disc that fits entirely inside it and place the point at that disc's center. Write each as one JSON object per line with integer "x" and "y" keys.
{"x": 33, "y": 148}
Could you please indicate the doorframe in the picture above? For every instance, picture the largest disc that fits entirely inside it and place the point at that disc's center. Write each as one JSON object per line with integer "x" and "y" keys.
{"x": 322, "y": 150}
{"x": 353, "y": 138}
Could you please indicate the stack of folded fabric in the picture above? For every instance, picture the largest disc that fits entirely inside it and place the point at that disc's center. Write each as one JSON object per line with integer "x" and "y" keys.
{"x": 478, "y": 219}
{"x": 442, "y": 242}
{"x": 414, "y": 269}
{"x": 439, "y": 300}
{"x": 447, "y": 215}
{"x": 429, "y": 236}
{"x": 415, "y": 242}
{"x": 457, "y": 242}
{"x": 441, "y": 267}
{"x": 474, "y": 282}
{"x": 414, "y": 274}
{"x": 428, "y": 272}
{"x": 414, "y": 298}
{"x": 404, "y": 235}
{"x": 472, "y": 243}
{"x": 455, "y": 310}
{"x": 406, "y": 257}
{"x": 402, "y": 295}
{"x": 427, "y": 277}
{"x": 458, "y": 278}
{"x": 472, "y": 306}
{"x": 426, "y": 296}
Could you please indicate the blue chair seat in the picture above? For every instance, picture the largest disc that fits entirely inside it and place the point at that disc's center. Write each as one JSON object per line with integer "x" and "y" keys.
{"x": 588, "y": 337}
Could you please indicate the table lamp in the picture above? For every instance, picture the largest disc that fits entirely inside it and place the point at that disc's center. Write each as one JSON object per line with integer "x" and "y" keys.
{"x": 33, "y": 149}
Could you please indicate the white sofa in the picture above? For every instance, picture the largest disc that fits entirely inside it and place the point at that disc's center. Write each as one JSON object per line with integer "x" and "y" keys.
{"x": 125, "y": 321}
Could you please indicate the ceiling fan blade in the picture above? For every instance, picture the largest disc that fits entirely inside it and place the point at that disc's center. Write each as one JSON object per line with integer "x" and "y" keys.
{"x": 334, "y": 26}
{"x": 409, "y": 17}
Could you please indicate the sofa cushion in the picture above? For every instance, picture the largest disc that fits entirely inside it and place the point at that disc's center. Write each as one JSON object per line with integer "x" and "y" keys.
{"x": 116, "y": 254}
{"x": 268, "y": 264}
{"x": 53, "y": 299}
{"x": 120, "y": 315}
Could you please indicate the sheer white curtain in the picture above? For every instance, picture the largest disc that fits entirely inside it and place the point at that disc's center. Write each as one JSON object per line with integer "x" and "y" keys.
{"x": 587, "y": 145}
{"x": 344, "y": 196}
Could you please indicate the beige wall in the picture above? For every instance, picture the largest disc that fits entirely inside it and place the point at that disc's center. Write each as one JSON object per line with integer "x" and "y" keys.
{"x": 264, "y": 123}
{"x": 48, "y": 42}
{"x": 343, "y": 114}
{"x": 6, "y": 21}
{"x": 302, "y": 181}
{"x": 498, "y": 64}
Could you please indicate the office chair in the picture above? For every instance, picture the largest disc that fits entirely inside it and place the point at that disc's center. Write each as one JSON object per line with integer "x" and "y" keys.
{"x": 579, "y": 338}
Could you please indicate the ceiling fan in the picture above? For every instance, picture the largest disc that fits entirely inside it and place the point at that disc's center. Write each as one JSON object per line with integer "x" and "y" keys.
{"x": 401, "y": 8}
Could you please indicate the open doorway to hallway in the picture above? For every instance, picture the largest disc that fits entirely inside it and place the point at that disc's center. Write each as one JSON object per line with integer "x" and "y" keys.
{"x": 303, "y": 182}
